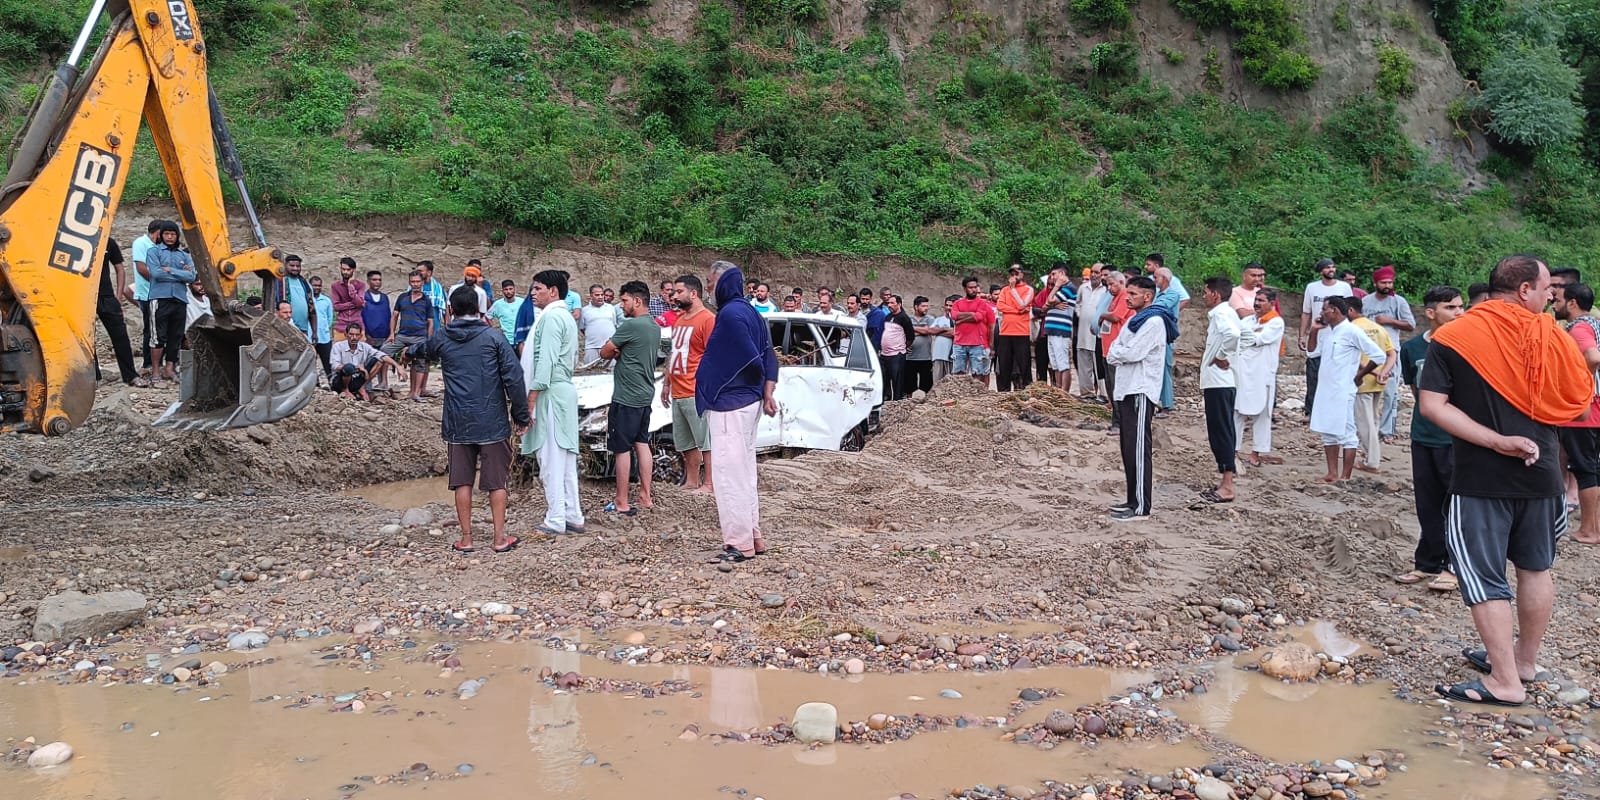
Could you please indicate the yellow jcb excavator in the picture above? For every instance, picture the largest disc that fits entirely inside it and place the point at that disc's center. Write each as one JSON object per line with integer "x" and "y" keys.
{"x": 67, "y": 168}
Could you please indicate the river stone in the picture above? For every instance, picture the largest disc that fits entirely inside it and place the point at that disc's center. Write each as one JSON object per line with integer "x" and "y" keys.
{"x": 1209, "y": 788}
{"x": 51, "y": 755}
{"x": 816, "y": 722}
{"x": 1060, "y": 723}
{"x": 1573, "y": 696}
{"x": 491, "y": 609}
{"x": 248, "y": 640}
{"x": 391, "y": 530}
{"x": 75, "y": 615}
{"x": 1317, "y": 788}
{"x": 1235, "y": 606}
{"x": 416, "y": 518}
{"x": 1291, "y": 661}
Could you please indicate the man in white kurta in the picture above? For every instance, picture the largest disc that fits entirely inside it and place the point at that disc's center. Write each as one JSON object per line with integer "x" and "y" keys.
{"x": 1260, "y": 344}
{"x": 1339, "y": 344}
{"x": 547, "y": 363}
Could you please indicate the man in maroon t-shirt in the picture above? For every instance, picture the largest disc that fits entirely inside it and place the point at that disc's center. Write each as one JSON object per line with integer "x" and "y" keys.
{"x": 973, "y": 318}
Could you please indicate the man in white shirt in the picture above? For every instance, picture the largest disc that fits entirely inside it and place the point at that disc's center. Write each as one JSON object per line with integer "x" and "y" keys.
{"x": 1086, "y": 333}
{"x": 1338, "y": 345}
{"x": 199, "y": 305}
{"x": 1317, "y": 293}
{"x": 943, "y": 341}
{"x": 1139, "y": 357}
{"x": 354, "y": 361}
{"x": 1260, "y": 343}
{"x": 597, "y": 321}
{"x": 473, "y": 276}
{"x": 1219, "y": 384}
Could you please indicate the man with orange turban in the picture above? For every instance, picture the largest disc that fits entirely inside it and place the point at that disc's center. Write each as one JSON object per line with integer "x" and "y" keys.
{"x": 1500, "y": 380}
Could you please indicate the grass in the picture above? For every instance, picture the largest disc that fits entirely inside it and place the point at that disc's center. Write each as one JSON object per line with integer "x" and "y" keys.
{"x": 576, "y": 120}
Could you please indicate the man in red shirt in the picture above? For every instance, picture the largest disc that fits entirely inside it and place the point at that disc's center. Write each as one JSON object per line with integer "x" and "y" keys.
{"x": 1581, "y": 439}
{"x": 973, "y": 319}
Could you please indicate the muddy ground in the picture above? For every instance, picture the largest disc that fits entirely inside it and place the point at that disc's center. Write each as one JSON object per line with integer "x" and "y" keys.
{"x": 969, "y": 515}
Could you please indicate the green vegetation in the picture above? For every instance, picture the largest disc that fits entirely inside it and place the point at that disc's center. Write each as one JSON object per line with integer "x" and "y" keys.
{"x": 1101, "y": 14}
{"x": 1394, "y": 73}
{"x": 1266, "y": 35}
{"x": 768, "y": 135}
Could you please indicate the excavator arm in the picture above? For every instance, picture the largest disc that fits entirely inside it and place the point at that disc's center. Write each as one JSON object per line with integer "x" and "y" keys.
{"x": 60, "y": 194}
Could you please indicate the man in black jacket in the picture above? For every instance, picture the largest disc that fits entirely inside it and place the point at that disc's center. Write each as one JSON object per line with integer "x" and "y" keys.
{"x": 481, "y": 377}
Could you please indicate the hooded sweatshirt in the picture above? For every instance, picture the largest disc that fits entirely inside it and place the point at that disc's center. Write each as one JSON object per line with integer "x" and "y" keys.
{"x": 482, "y": 379}
{"x": 738, "y": 360}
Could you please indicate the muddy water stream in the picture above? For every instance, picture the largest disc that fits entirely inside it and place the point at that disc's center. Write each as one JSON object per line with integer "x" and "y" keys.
{"x": 523, "y": 738}
{"x": 401, "y": 495}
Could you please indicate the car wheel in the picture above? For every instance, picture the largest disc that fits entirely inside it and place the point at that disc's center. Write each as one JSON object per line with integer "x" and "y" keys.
{"x": 668, "y": 467}
{"x": 855, "y": 440}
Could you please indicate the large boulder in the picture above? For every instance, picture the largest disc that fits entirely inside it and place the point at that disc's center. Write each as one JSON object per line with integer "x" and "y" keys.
{"x": 816, "y": 722}
{"x": 1292, "y": 661}
{"x": 75, "y": 615}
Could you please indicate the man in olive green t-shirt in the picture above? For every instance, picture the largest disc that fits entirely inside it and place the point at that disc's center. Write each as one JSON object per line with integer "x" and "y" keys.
{"x": 634, "y": 346}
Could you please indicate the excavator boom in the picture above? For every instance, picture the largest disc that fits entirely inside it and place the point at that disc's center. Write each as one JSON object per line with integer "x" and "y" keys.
{"x": 61, "y": 191}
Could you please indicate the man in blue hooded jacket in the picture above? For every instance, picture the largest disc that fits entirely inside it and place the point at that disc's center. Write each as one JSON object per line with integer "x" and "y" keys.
{"x": 733, "y": 387}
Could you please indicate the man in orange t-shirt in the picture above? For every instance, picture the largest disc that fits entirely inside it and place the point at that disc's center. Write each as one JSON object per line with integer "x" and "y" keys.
{"x": 690, "y": 331}
{"x": 1111, "y": 322}
{"x": 1012, "y": 346}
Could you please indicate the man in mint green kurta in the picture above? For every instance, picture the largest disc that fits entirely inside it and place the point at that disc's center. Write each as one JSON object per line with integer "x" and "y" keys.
{"x": 547, "y": 363}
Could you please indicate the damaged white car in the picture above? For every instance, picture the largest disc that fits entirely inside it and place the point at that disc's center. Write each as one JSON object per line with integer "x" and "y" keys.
{"x": 829, "y": 391}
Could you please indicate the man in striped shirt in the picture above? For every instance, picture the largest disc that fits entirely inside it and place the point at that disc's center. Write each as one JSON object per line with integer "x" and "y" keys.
{"x": 1060, "y": 304}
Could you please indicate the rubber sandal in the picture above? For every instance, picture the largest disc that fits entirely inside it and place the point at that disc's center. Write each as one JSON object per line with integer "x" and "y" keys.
{"x": 578, "y": 529}
{"x": 511, "y": 544}
{"x": 1415, "y": 576}
{"x": 548, "y": 531}
{"x": 1459, "y": 691}
{"x": 1478, "y": 660}
{"x": 1446, "y": 582}
{"x": 456, "y": 546}
{"x": 611, "y": 508}
{"x": 732, "y": 555}
{"x": 1211, "y": 496}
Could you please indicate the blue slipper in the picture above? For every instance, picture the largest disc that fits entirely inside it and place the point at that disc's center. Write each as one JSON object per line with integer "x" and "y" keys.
{"x": 611, "y": 508}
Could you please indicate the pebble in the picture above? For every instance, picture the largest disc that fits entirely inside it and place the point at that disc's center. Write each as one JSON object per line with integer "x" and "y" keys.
{"x": 944, "y": 643}
{"x": 1060, "y": 723}
{"x": 469, "y": 689}
{"x": 1159, "y": 783}
{"x": 1317, "y": 788}
{"x": 391, "y": 530}
{"x": 854, "y": 666}
{"x": 217, "y": 668}
{"x": 464, "y": 769}
{"x": 83, "y": 666}
{"x": 181, "y": 674}
{"x": 492, "y": 609}
{"x": 368, "y": 628}
{"x": 1291, "y": 661}
{"x": 1094, "y": 725}
{"x": 51, "y": 755}
{"x": 950, "y": 694}
{"x": 772, "y": 600}
{"x": 1235, "y": 606}
{"x": 248, "y": 640}
{"x": 1031, "y": 695}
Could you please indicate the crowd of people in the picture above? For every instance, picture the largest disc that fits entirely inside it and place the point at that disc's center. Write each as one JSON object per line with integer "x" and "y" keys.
{"x": 1504, "y": 442}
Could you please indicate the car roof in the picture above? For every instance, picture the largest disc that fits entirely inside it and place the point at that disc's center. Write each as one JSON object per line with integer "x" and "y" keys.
{"x": 809, "y": 316}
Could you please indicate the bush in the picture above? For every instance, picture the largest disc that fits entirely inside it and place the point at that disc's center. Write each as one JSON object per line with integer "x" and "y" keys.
{"x": 316, "y": 98}
{"x": 877, "y": 9}
{"x": 31, "y": 29}
{"x": 1266, "y": 37}
{"x": 396, "y": 126}
{"x": 240, "y": 21}
{"x": 1114, "y": 59}
{"x": 1532, "y": 96}
{"x": 769, "y": 12}
{"x": 505, "y": 53}
{"x": 1365, "y": 130}
{"x": 1394, "y": 79}
{"x": 1561, "y": 188}
{"x": 1101, "y": 14}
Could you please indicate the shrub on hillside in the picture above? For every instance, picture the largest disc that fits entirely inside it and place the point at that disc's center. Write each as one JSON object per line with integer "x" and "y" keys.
{"x": 1532, "y": 96}
{"x": 1561, "y": 188}
{"x": 316, "y": 99}
{"x": 30, "y": 29}
{"x": 1101, "y": 14}
{"x": 1365, "y": 130}
{"x": 1394, "y": 79}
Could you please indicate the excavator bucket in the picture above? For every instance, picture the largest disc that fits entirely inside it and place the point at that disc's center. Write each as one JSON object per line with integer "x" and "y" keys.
{"x": 242, "y": 368}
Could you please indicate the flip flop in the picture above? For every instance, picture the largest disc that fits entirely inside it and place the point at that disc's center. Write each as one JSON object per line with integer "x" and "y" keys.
{"x": 548, "y": 531}
{"x": 511, "y": 544}
{"x": 1415, "y": 576}
{"x": 1459, "y": 691}
{"x": 1446, "y": 582}
{"x": 1211, "y": 496}
{"x": 577, "y": 529}
{"x": 732, "y": 555}
{"x": 456, "y": 546}
{"x": 611, "y": 508}
{"x": 1478, "y": 659}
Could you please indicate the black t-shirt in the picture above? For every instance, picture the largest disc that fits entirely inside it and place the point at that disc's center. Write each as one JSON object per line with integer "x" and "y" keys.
{"x": 1480, "y": 472}
{"x": 113, "y": 256}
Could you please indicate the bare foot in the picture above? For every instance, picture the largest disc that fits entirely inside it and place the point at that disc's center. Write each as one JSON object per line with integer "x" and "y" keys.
{"x": 646, "y": 501}
{"x": 1365, "y": 468}
{"x": 1328, "y": 479}
{"x": 1270, "y": 459}
{"x": 1254, "y": 462}
{"x": 703, "y": 490}
{"x": 1581, "y": 540}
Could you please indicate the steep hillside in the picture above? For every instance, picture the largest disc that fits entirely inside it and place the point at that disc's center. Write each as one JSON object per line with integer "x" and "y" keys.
{"x": 953, "y": 132}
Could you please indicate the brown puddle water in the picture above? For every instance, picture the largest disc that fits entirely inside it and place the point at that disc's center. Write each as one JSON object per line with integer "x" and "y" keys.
{"x": 401, "y": 495}
{"x": 524, "y": 739}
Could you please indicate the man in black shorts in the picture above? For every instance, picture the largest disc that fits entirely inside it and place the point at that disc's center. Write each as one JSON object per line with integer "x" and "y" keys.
{"x": 633, "y": 347}
{"x": 1500, "y": 380}
{"x": 482, "y": 378}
